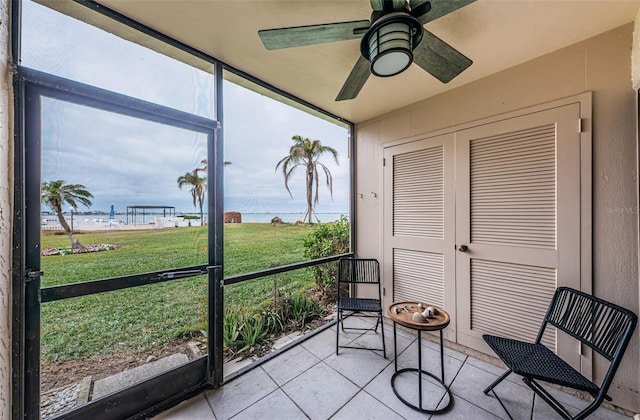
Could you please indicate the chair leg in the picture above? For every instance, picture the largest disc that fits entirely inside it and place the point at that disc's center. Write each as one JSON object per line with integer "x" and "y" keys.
{"x": 342, "y": 320}
{"x": 496, "y": 382}
{"x": 533, "y": 405}
{"x": 337, "y": 330}
{"x": 384, "y": 348}
{"x": 490, "y": 389}
{"x": 548, "y": 398}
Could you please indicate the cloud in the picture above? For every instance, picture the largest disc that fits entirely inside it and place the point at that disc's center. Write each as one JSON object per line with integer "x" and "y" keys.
{"x": 127, "y": 161}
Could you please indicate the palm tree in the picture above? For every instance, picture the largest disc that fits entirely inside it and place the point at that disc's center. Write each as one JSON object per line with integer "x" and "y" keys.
{"x": 205, "y": 165}
{"x": 306, "y": 153}
{"x": 198, "y": 188}
{"x": 56, "y": 194}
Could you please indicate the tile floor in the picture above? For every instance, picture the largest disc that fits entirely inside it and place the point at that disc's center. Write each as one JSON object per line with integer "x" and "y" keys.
{"x": 310, "y": 382}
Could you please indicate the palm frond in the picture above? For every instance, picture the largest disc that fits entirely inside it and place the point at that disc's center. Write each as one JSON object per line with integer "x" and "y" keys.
{"x": 307, "y": 152}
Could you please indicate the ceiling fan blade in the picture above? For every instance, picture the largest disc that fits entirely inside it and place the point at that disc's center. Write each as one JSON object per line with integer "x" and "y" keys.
{"x": 274, "y": 39}
{"x": 439, "y": 59}
{"x": 358, "y": 76}
{"x": 419, "y": 8}
{"x": 380, "y": 5}
{"x": 440, "y": 8}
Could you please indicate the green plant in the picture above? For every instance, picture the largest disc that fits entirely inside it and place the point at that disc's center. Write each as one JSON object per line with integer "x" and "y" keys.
{"x": 326, "y": 240}
{"x": 303, "y": 308}
{"x": 231, "y": 328}
{"x": 274, "y": 321}
{"x": 252, "y": 332}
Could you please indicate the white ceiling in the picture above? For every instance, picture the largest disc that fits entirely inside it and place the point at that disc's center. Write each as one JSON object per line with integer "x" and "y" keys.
{"x": 495, "y": 34}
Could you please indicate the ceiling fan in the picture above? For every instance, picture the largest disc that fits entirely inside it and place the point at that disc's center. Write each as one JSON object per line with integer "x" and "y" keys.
{"x": 392, "y": 39}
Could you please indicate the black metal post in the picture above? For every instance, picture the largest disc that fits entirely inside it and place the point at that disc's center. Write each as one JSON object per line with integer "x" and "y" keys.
{"x": 31, "y": 244}
{"x": 441, "y": 358}
{"x": 395, "y": 348}
{"x": 215, "y": 149}
{"x": 420, "y": 369}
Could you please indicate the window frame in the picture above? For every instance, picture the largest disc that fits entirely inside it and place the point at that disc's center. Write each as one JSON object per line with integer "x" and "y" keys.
{"x": 211, "y": 364}
{"x": 172, "y": 384}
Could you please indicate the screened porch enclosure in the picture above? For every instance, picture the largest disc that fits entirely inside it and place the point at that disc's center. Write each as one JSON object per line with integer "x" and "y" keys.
{"x": 481, "y": 196}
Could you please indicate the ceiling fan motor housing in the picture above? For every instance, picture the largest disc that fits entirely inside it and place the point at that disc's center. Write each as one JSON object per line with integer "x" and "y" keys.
{"x": 389, "y": 43}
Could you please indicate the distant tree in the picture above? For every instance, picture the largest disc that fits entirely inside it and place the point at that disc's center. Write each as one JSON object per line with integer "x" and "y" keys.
{"x": 198, "y": 187}
{"x": 205, "y": 165}
{"x": 306, "y": 153}
{"x": 56, "y": 194}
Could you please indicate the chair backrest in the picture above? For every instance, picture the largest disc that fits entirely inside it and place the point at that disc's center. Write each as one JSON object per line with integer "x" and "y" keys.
{"x": 601, "y": 325}
{"x": 358, "y": 270}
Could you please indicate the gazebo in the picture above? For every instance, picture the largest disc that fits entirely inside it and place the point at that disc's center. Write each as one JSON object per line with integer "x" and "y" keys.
{"x": 135, "y": 210}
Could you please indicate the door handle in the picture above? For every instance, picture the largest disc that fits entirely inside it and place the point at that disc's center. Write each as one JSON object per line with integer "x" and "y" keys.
{"x": 463, "y": 248}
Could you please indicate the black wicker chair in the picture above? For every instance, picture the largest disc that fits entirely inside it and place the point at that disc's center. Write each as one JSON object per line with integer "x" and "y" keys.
{"x": 603, "y": 326}
{"x": 353, "y": 272}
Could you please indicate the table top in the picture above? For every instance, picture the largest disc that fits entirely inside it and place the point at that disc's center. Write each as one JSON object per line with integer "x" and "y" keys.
{"x": 404, "y": 316}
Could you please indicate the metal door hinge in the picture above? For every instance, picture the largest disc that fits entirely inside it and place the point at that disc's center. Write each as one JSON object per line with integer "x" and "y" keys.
{"x": 579, "y": 125}
{"x": 384, "y": 162}
{"x": 384, "y": 291}
{"x": 33, "y": 274}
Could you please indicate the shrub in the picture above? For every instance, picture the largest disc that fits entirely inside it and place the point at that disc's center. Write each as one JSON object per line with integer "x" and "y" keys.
{"x": 252, "y": 331}
{"x": 326, "y": 240}
{"x": 303, "y": 308}
{"x": 232, "y": 326}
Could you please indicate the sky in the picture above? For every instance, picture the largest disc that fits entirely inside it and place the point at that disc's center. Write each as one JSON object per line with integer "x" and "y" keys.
{"x": 126, "y": 161}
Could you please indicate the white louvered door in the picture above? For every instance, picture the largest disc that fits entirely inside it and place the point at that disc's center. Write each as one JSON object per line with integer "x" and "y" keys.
{"x": 518, "y": 213}
{"x": 419, "y": 250}
{"x": 509, "y": 191}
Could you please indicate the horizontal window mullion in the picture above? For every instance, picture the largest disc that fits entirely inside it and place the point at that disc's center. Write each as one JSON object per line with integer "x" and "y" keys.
{"x": 66, "y": 291}
{"x": 239, "y": 278}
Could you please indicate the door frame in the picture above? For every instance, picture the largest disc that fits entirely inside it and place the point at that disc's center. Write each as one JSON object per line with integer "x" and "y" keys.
{"x": 585, "y": 127}
{"x": 172, "y": 385}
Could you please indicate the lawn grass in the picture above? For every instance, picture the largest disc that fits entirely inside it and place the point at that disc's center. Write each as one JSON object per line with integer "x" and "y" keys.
{"x": 144, "y": 317}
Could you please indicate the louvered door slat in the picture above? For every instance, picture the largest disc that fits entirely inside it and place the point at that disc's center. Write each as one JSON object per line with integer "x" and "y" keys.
{"x": 418, "y": 276}
{"x": 496, "y": 286}
{"x": 418, "y": 193}
{"x": 513, "y": 188}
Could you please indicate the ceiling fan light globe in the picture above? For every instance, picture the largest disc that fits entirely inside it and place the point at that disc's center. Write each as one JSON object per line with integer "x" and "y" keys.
{"x": 390, "y": 47}
{"x": 391, "y": 62}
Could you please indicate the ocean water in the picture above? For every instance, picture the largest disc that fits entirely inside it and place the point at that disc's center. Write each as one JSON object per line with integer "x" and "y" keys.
{"x": 288, "y": 217}
{"x": 85, "y": 221}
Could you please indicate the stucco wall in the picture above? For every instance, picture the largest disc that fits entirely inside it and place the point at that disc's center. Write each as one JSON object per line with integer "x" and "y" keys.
{"x": 5, "y": 216}
{"x": 601, "y": 65}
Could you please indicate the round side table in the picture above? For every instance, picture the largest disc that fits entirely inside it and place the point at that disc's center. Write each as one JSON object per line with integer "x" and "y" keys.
{"x": 402, "y": 313}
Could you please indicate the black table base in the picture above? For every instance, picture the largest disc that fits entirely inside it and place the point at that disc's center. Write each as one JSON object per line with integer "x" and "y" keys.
{"x": 421, "y": 372}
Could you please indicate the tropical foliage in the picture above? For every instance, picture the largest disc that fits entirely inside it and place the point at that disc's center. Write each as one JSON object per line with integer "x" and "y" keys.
{"x": 198, "y": 184}
{"x": 326, "y": 240}
{"x": 306, "y": 153}
{"x": 57, "y": 194}
{"x": 205, "y": 165}
{"x": 198, "y": 188}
